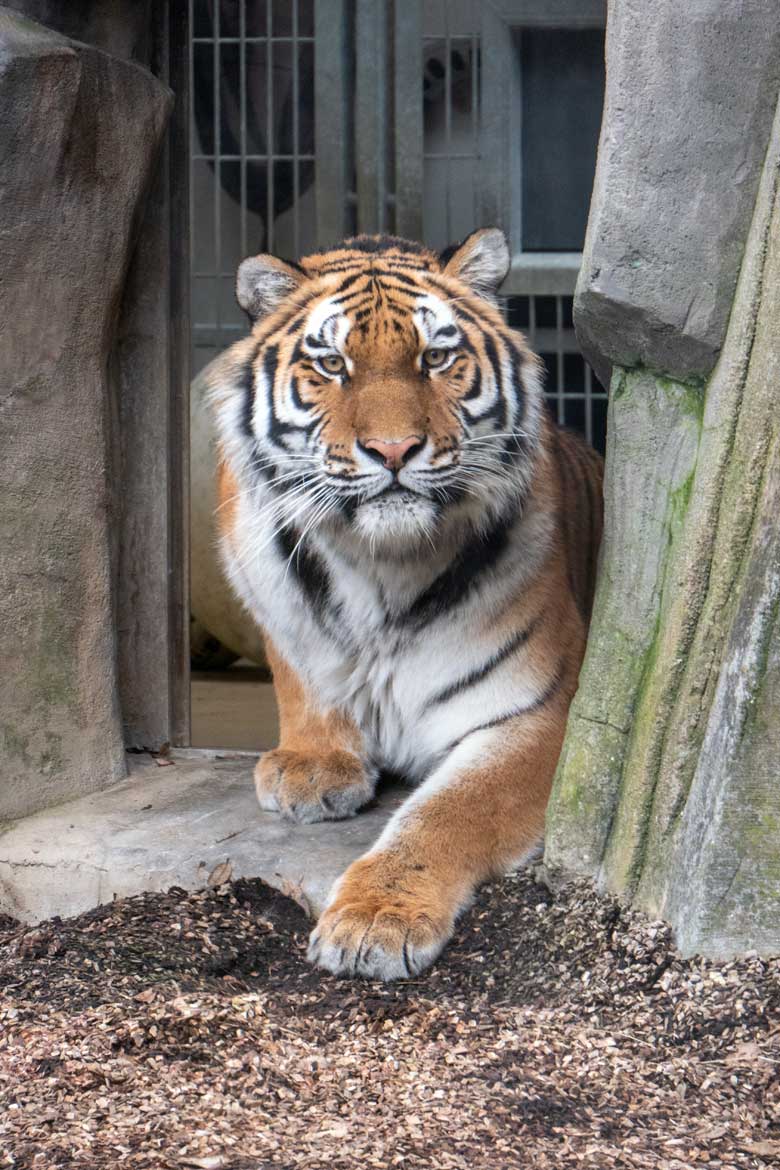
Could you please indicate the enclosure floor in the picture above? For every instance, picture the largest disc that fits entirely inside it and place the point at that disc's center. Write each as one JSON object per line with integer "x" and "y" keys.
{"x": 192, "y": 823}
{"x": 556, "y": 1032}
{"x": 234, "y": 709}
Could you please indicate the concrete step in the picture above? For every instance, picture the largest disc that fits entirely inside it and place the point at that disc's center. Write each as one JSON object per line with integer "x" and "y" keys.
{"x": 190, "y": 823}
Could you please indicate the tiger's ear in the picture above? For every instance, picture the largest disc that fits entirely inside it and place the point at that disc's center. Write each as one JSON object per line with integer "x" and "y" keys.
{"x": 481, "y": 261}
{"x": 263, "y": 282}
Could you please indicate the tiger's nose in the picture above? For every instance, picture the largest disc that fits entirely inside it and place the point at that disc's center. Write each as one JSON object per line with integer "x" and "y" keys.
{"x": 393, "y": 452}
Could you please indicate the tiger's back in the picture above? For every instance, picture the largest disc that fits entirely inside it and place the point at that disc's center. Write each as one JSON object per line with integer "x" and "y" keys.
{"x": 580, "y": 471}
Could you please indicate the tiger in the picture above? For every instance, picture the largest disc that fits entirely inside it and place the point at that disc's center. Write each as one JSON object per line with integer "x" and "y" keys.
{"x": 417, "y": 540}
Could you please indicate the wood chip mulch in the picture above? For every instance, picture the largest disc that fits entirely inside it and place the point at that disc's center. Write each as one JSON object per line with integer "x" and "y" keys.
{"x": 558, "y": 1030}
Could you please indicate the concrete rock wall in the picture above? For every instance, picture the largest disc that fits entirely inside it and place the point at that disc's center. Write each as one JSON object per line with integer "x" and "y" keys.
{"x": 667, "y": 787}
{"x": 123, "y": 28}
{"x": 79, "y": 135}
{"x": 691, "y": 91}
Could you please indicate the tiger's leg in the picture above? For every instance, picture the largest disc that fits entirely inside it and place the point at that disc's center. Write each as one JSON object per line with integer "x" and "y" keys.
{"x": 317, "y": 773}
{"x": 480, "y": 813}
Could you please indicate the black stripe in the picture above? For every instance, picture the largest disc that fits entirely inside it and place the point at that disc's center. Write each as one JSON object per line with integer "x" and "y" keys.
{"x": 576, "y": 456}
{"x": 348, "y": 507}
{"x": 476, "y": 388}
{"x": 363, "y": 266}
{"x": 476, "y": 676}
{"x": 385, "y": 243}
{"x": 297, "y": 400}
{"x": 517, "y": 361}
{"x": 348, "y": 281}
{"x": 546, "y": 696}
{"x": 360, "y": 294}
{"x": 310, "y": 572}
{"x": 457, "y": 303}
{"x": 356, "y": 265}
{"x": 586, "y": 601}
{"x": 476, "y": 559}
{"x": 283, "y": 328}
{"x": 276, "y": 429}
{"x": 246, "y": 383}
{"x": 498, "y": 410}
{"x": 403, "y": 279}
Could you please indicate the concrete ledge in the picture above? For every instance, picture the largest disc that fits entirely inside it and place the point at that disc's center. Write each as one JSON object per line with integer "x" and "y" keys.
{"x": 191, "y": 823}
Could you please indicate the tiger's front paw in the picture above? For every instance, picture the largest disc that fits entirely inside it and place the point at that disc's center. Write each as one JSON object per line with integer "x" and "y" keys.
{"x": 380, "y": 929}
{"x": 310, "y": 788}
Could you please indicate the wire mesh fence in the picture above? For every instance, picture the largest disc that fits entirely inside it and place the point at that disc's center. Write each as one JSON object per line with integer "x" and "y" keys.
{"x": 311, "y": 120}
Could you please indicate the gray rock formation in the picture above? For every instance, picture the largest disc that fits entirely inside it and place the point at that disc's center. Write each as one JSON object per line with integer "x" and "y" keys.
{"x": 123, "y": 28}
{"x": 79, "y": 135}
{"x": 691, "y": 92}
{"x": 667, "y": 789}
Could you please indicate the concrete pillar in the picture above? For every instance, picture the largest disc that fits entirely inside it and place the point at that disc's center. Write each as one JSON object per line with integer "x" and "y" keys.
{"x": 667, "y": 788}
{"x": 80, "y": 132}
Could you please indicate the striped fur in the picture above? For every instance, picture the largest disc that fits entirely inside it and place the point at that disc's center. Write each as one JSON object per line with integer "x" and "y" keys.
{"x": 425, "y": 617}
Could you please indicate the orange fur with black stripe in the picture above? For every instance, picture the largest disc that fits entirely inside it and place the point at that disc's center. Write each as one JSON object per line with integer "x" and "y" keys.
{"x": 418, "y": 541}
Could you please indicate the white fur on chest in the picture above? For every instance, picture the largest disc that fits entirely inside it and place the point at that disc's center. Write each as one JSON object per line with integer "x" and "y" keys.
{"x": 386, "y": 674}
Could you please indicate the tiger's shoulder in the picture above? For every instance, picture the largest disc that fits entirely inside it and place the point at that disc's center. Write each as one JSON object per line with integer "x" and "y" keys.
{"x": 574, "y": 476}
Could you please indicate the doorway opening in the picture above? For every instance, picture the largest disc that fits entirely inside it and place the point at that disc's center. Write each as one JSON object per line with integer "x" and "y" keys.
{"x": 313, "y": 121}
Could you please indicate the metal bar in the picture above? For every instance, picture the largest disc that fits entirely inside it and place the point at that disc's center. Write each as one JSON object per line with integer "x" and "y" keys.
{"x": 242, "y": 131}
{"x": 513, "y": 182}
{"x": 217, "y": 166}
{"x": 296, "y": 132}
{"x": 251, "y": 40}
{"x": 370, "y": 115}
{"x": 179, "y": 79}
{"x": 207, "y": 336}
{"x": 252, "y": 157}
{"x": 543, "y": 273}
{"x": 408, "y": 142}
{"x": 448, "y": 119}
{"x": 330, "y": 119}
{"x": 269, "y": 130}
{"x": 493, "y": 193}
{"x": 559, "y": 357}
{"x": 451, "y": 157}
{"x": 475, "y": 87}
{"x": 192, "y": 122}
{"x": 553, "y": 13}
{"x": 548, "y": 340}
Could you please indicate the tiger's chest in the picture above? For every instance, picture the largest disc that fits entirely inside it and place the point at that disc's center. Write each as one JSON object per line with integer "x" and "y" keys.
{"x": 336, "y": 631}
{"x": 378, "y": 672}
{"x": 413, "y": 679}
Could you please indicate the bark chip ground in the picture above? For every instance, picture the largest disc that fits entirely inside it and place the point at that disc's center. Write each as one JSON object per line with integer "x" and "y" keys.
{"x": 558, "y": 1030}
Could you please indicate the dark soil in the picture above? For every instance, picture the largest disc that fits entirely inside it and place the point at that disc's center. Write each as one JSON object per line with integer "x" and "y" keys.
{"x": 187, "y": 1030}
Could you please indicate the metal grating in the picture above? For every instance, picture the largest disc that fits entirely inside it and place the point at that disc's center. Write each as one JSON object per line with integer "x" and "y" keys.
{"x": 451, "y": 121}
{"x": 252, "y": 151}
{"x": 315, "y": 118}
{"x": 574, "y": 395}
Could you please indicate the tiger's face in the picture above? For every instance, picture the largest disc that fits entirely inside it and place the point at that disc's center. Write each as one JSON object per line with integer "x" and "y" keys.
{"x": 384, "y": 392}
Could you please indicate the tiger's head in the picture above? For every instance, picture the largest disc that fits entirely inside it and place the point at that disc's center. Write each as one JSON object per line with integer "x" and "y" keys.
{"x": 381, "y": 392}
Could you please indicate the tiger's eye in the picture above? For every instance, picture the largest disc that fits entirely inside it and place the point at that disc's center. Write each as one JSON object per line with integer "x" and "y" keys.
{"x": 433, "y": 358}
{"x": 333, "y": 363}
